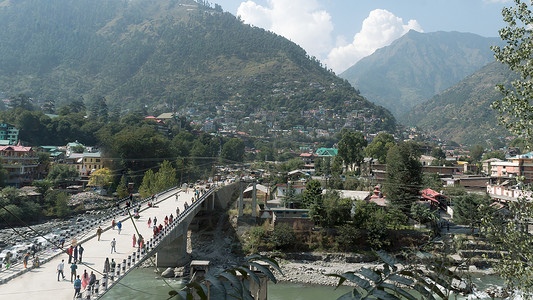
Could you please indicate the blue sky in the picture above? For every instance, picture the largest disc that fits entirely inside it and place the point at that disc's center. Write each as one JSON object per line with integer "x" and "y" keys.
{"x": 340, "y": 32}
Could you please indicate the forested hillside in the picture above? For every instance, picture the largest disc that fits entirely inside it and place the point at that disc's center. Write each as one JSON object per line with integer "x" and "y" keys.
{"x": 418, "y": 66}
{"x": 160, "y": 55}
{"x": 462, "y": 113}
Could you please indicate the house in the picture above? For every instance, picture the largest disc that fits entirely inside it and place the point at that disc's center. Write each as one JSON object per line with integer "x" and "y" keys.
{"x": 8, "y": 134}
{"x": 309, "y": 162}
{"x": 437, "y": 200}
{"x": 282, "y": 190}
{"x": 426, "y": 160}
{"x": 487, "y": 163}
{"x": 503, "y": 192}
{"x": 91, "y": 162}
{"x": 513, "y": 167}
{"x": 20, "y": 163}
{"x": 326, "y": 152}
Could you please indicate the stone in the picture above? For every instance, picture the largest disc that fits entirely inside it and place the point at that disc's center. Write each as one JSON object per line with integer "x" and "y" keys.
{"x": 168, "y": 273}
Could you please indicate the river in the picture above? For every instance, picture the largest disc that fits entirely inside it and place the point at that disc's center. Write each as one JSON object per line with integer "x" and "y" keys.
{"x": 144, "y": 283}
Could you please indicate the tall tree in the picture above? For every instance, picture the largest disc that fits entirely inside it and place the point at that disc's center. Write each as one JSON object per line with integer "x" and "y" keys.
{"x": 351, "y": 148}
{"x": 233, "y": 150}
{"x": 516, "y": 109}
{"x": 379, "y": 147}
{"x": 404, "y": 176}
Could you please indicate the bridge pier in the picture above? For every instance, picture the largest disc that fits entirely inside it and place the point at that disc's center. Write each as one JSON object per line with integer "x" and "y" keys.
{"x": 174, "y": 254}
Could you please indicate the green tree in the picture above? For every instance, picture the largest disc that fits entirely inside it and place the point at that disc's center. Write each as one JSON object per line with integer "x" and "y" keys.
{"x": 62, "y": 174}
{"x": 467, "y": 209}
{"x": 494, "y": 154}
{"x": 233, "y": 150}
{"x": 379, "y": 147}
{"x": 515, "y": 108}
{"x": 122, "y": 187}
{"x": 21, "y": 101}
{"x": 404, "y": 176}
{"x": 146, "y": 188}
{"x": 351, "y": 148}
{"x": 62, "y": 209}
{"x": 312, "y": 193}
{"x": 422, "y": 214}
{"x": 336, "y": 210}
{"x": 282, "y": 236}
{"x": 477, "y": 152}
{"x": 165, "y": 178}
{"x": 438, "y": 153}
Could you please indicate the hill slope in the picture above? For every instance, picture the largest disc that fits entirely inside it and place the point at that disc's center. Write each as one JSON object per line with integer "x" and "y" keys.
{"x": 417, "y": 66}
{"x": 160, "y": 54}
{"x": 462, "y": 113}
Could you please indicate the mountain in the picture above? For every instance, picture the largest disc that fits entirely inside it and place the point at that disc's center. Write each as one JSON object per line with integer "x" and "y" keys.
{"x": 162, "y": 55}
{"x": 462, "y": 113}
{"x": 417, "y": 66}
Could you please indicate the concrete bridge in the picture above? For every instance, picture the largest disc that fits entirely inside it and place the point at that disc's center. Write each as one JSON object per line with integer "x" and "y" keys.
{"x": 169, "y": 247}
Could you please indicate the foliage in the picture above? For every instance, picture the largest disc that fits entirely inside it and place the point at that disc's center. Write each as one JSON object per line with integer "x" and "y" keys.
{"x": 166, "y": 177}
{"x": 255, "y": 237}
{"x": 62, "y": 175}
{"x": 19, "y": 205}
{"x": 336, "y": 210}
{"x": 494, "y": 154}
{"x": 468, "y": 209}
{"x": 379, "y": 147}
{"x": 78, "y": 148}
{"x": 438, "y": 153}
{"x": 399, "y": 280}
{"x": 347, "y": 236}
{"x": 422, "y": 214}
{"x": 147, "y": 187}
{"x": 404, "y": 176}
{"x": 312, "y": 193}
{"x": 509, "y": 234}
{"x": 122, "y": 188}
{"x": 431, "y": 181}
{"x": 477, "y": 152}
{"x": 102, "y": 177}
{"x": 351, "y": 148}
{"x": 228, "y": 283}
{"x": 282, "y": 236}
{"x": 233, "y": 150}
{"x": 43, "y": 186}
{"x": 516, "y": 111}
{"x": 61, "y": 206}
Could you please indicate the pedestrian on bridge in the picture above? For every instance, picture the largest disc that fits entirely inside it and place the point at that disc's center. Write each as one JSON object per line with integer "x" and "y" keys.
{"x": 113, "y": 245}
{"x": 73, "y": 268}
{"x": 60, "y": 268}
{"x": 75, "y": 254}
{"x": 166, "y": 220}
{"x": 99, "y": 232}
{"x": 106, "y": 265}
{"x": 134, "y": 240}
{"x": 26, "y": 257}
{"x": 77, "y": 287}
{"x": 70, "y": 251}
{"x": 119, "y": 226}
{"x": 177, "y": 211}
{"x": 113, "y": 224}
{"x": 80, "y": 251}
{"x": 149, "y": 222}
{"x": 155, "y": 221}
{"x": 170, "y": 219}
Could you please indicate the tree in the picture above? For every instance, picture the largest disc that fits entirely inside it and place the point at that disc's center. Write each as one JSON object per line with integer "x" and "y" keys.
{"x": 438, "y": 153}
{"x": 62, "y": 174}
{"x": 351, "y": 148}
{"x": 467, "y": 209}
{"x": 22, "y": 101}
{"x": 165, "y": 178}
{"x": 379, "y": 147}
{"x": 494, "y": 154}
{"x": 122, "y": 187}
{"x": 282, "y": 236}
{"x": 515, "y": 108}
{"x": 477, "y": 152}
{"x": 312, "y": 193}
{"x": 146, "y": 188}
{"x": 422, "y": 214}
{"x": 233, "y": 150}
{"x": 102, "y": 177}
{"x": 404, "y": 176}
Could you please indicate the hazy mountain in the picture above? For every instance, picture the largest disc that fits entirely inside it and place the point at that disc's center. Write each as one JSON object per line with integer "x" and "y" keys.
{"x": 417, "y": 66}
{"x": 462, "y": 113}
{"x": 161, "y": 54}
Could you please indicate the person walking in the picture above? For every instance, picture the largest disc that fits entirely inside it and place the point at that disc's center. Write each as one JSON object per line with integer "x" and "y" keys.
{"x": 70, "y": 252}
{"x": 113, "y": 224}
{"x": 155, "y": 221}
{"x": 134, "y": 240}
{"x": 76, "y": 254}
{"x": 140, "y": 241}
{"x": 73, "y": 268}
{"x": 80, "y": 251}
{"x": 84, "y": 279}
{"x": 177, "y": 211}
{"x": 92, "y": 281}
{"x": 119, "y": 226}
{"x": 77, "y": 287}
{"x": 62, "y": 241}
{"x": 149, "y": 222}
{"x": 113, "y": 245}
{"x": 113, "y": 264}
{"x": 99, "y": 232}
{"x": 26, "y": 257}
{"x": 60, "y": 268}
{"x": 106, "y": 265}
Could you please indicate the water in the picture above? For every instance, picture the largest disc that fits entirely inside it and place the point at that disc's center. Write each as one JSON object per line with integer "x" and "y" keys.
{"x": 143, "y": 283}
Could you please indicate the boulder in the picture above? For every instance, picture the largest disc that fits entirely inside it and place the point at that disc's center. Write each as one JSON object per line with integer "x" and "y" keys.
{"x": 168, "y": 273}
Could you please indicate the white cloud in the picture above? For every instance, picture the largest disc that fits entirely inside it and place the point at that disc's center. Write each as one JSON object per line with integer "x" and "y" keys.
{"x": 379, "y": 29}
{"x": 301, "y": 21}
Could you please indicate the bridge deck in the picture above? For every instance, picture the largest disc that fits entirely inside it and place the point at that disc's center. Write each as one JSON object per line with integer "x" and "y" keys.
{"x": 42, "y": 283}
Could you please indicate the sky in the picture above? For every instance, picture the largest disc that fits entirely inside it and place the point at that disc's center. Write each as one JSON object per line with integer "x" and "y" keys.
{"x": 341, "y": 32}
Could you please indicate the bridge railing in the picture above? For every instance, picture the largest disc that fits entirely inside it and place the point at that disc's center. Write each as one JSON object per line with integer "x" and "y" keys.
{"x": 142, "y": 253}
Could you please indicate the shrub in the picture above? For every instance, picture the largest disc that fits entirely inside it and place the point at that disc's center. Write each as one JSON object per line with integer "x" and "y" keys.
{"x": 347, "y": 237}
{"x": 282, "y": 236}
